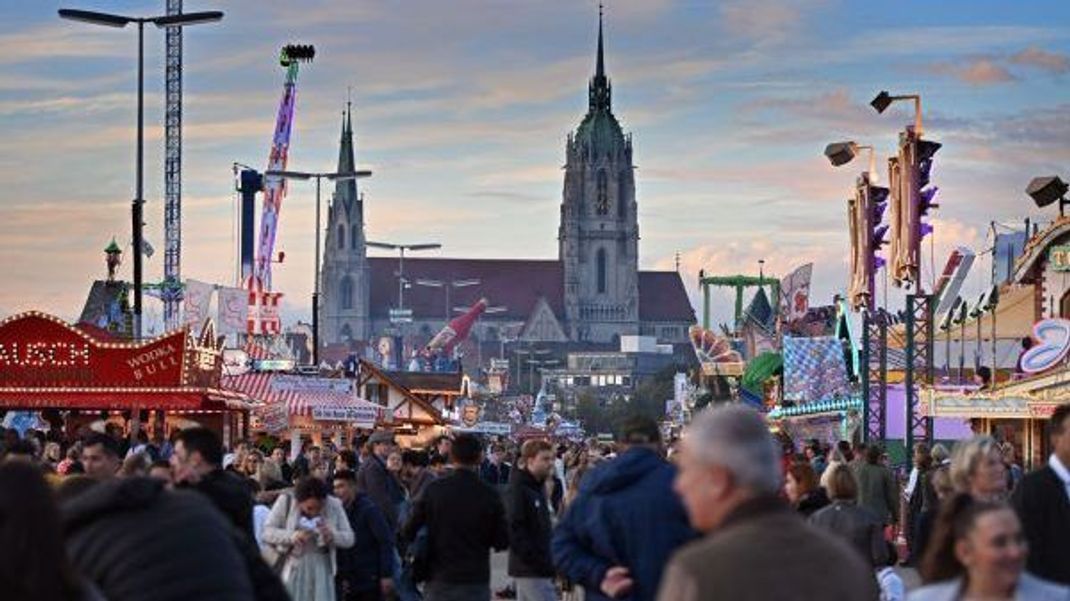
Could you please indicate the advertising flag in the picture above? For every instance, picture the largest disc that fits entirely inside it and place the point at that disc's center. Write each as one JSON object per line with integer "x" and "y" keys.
{"x": 233, "y": 310}
{"x": 198, "y": 296}
{"x": 795, "y": 293}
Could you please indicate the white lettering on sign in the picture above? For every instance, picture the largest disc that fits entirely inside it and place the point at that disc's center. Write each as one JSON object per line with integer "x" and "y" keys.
{"x": 152, "y": 362}
{"x": 287, "y": 383}
{"x": 365, "y": 415}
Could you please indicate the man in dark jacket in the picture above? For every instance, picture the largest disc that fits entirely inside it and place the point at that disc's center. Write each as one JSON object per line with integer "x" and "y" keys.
{"x": 465, "y": 519}
{"x": 365, "y": 570}
{"x": 197, "y": 466}
{"x": 493, "y": 471}
{"x": 625, "y": 523}
{"x": 1042, "y": 500}
{"x": 137, "y": 542}
{"x": 529, "y": 524}
{"x": 197, "y": 463}
{"x": 374, "y": 479}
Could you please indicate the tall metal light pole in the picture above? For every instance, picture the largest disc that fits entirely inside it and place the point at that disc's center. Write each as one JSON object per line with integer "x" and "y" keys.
{"x": 541, "y": 363}
{"x": 448, "y": 285}
{"x": 120, "y": 21}
{"x": 401, "y": 248}
{"x": 304, "y": 176}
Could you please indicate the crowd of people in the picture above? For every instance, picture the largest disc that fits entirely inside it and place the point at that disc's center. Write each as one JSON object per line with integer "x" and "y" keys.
{"x": 724, "y": 513}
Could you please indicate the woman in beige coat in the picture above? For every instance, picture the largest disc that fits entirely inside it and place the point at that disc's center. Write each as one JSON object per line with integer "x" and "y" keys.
{"x": 306, "y": 527}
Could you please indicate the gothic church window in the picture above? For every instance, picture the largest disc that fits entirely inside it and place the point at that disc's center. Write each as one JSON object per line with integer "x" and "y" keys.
{"x": 601, "y": 263}
{"x": 622, "y": 194}
{"x": 347, "y": 293}
{"x": 602, "y": 205}
{"x": 353, "y": 237}
{"x": 341, "y": 236}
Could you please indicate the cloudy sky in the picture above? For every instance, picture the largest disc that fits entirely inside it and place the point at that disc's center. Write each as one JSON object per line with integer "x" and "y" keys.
{"x": 462, "y": 108}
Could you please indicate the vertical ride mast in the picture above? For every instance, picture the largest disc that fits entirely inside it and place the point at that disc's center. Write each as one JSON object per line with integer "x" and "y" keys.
{"x": 171, "y": 288}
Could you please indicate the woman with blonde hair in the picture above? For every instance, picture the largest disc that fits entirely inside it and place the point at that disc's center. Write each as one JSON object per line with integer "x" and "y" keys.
{"x": 978, "y": 552}
{"x": 977, "y": 469}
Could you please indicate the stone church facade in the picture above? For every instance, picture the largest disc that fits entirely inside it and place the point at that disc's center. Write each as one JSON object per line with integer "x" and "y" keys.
{"x": 592, "y": 294}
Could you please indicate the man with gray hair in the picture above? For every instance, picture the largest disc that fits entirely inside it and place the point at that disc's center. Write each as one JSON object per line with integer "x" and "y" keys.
{"x": 756, "y": 547}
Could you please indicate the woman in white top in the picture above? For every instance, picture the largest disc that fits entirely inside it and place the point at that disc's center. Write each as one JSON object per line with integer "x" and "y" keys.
{"x": 306, "y": 527}
{"x": 978, "y": 552}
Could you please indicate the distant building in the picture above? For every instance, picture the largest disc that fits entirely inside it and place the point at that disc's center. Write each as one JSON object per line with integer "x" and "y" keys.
{"x": 592, "y": 294}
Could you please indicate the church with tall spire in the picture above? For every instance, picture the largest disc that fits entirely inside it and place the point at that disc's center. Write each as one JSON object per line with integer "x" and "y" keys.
{"x": 589, "y": 296}
{"x": 598, "y": 239}
{"x": 344, "y": 306}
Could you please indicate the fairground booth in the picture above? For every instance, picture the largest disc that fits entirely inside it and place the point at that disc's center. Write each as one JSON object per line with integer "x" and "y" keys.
{"x": 1021, "y": 335}
{"x": 305, "y": 407}
{"x": 167, "y": 382}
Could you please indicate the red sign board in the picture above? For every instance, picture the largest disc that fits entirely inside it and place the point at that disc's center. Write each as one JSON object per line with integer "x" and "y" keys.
{"x": 41, "y": 351}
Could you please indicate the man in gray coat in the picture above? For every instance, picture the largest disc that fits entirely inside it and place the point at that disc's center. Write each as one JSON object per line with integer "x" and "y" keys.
{"x": 756, "y": 547}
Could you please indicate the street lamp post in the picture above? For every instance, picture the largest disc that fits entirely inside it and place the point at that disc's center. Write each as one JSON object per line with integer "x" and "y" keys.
{"x": 541, "y": 363}
{"x": 532, "y": 361}
{"x": 136, "y": 209}
{"x": 401, "y": 316}
{"x": 343, "y": 176}
{"x": 401, "y": 248}
{"x": 841, "y": 153}
{"x": 448, "y": 285}
{"x": 884, "y": 99}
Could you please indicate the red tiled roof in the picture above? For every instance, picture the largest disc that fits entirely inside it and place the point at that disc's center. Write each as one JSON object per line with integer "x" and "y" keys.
{"x": 516, "y": 284}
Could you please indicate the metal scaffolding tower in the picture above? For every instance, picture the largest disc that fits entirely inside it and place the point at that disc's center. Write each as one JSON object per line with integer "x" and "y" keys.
{"x": 874, "y": 374}
{"x": 171, "y": 289}
{"x": 919, "y": 366}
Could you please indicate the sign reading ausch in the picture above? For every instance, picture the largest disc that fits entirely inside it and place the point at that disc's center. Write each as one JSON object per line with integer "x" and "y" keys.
{"x": 38, "y": 350}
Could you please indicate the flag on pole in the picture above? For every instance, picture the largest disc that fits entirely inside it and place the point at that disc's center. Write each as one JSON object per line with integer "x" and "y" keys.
{"x": 795, "y": 293}
{"x": 233, "y": 311}
{"x": 198, "y": 296}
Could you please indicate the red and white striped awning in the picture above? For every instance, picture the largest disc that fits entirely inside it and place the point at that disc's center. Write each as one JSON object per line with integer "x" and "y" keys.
{"x": 298, "y": 402}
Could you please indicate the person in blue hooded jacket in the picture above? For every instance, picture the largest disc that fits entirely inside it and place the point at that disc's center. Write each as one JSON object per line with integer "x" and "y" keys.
{"x": 626, "y": 522}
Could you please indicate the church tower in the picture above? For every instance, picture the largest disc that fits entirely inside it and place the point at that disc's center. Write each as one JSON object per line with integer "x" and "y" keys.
{"x": 344, "y": 277}
{"x": 599, "y": 234}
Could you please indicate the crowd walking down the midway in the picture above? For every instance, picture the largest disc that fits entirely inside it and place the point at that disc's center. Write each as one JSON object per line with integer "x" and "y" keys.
{"x": 725, "y": 512}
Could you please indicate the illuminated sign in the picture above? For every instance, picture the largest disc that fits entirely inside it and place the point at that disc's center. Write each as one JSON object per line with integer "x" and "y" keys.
{"x": 1059, "y": 258}
{"x": 1052, "y": 341}
{"x": 38, "y": 350}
